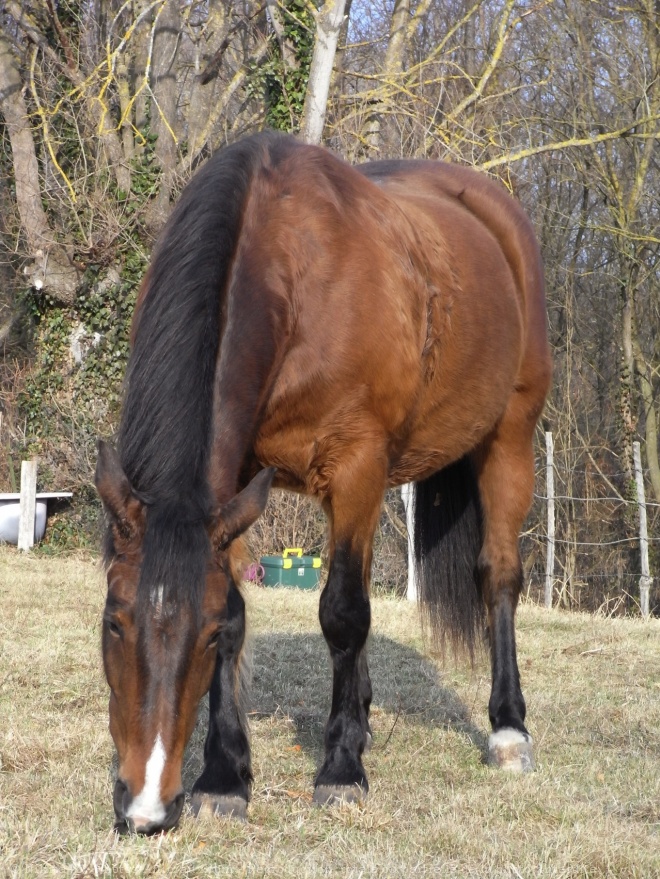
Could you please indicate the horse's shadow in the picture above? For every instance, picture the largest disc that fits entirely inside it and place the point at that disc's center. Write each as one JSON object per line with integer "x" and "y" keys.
{"x": 290, "y": 676}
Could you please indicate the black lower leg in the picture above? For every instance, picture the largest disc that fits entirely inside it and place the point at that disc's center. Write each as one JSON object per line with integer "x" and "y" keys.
{"x": 227, "y": 771}
{"x": 365, "y": 691}
{"x": 345, "y": 617}
{"x": 506, "y": 707}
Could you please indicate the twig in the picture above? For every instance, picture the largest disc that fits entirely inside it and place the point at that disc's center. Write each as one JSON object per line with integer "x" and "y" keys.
{"x": 398, "y": 715}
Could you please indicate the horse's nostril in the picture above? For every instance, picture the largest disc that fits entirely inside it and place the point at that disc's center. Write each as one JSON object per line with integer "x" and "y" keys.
{"x": 122, "y": 827}
{"x": 120, "y": 798}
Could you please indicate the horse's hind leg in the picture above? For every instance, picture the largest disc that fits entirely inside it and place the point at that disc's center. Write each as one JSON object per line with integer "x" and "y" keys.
{"x": 505, "y": 472}
{"x": 223, "y": 787}
{"x": 353, "y": 508}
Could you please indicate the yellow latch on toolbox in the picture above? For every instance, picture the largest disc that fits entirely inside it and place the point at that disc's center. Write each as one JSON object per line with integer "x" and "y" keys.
{"x": 287, "y": 563}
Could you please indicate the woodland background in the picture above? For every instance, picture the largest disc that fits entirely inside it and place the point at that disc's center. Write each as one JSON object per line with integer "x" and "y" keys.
{"x": 107, "y": 108}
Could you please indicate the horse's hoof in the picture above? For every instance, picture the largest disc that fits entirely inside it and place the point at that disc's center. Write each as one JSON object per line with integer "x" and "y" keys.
{"x": 218, "y": 806}
{"x": 339, "y": 794}
{"x": 511, "y": 750}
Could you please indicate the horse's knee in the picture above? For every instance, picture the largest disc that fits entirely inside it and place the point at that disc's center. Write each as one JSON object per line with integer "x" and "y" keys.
{"x": 345, "y": 617}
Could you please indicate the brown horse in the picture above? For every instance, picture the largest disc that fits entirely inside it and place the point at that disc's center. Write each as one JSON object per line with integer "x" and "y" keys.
{"x": 334, "y": 331}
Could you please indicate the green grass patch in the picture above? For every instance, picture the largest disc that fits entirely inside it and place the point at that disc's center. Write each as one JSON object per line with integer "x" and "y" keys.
{"x": 592, "y": 808}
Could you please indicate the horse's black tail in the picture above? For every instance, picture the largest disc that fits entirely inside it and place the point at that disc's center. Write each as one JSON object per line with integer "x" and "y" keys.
{"x": 447, "y": 541}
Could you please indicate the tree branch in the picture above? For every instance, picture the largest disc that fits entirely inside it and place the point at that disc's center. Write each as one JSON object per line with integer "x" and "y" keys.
{"x": 94, "y": 105}
{"x": 602, "y": 137}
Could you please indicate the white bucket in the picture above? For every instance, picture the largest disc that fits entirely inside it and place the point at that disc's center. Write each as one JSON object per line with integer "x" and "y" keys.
{"x": 10, "y": 514}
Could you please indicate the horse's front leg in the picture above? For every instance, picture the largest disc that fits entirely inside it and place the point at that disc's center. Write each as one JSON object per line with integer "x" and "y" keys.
{"x": 223, "y": 788}
{"x": 345, "y": 617}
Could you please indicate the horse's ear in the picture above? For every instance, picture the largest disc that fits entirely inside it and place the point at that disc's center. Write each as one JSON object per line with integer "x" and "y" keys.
{"x": 236, "y": 516}
{"x": 126, "y": 512}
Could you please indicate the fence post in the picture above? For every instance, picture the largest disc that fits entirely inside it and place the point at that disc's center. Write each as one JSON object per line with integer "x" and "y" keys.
{"x": 550, "y": 493}
{"x": 407, "y": 497}
{"x": 645, "y": 580}
{"x": 27, "y": 505}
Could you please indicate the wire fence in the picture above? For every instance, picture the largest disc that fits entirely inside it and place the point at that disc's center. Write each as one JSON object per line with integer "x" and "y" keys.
{"x": 597, "y": 559}
{"x": 605, "y": 547}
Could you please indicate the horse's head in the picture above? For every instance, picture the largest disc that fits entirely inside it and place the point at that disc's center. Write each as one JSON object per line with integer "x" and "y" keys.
{"x": 160, "y": 642}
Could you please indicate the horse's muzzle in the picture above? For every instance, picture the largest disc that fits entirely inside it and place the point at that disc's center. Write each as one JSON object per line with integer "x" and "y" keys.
{"x": 144, "y": 826}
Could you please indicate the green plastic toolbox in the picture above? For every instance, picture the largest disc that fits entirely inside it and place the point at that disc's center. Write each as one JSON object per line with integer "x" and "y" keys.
{"x": 292, "y": 568}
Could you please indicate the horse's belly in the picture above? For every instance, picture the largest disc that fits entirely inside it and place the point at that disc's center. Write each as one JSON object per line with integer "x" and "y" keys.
{"x": 438, "y": 443}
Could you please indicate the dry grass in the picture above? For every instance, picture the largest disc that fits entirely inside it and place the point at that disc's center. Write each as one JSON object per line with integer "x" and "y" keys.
{"x": 591, "y": 810}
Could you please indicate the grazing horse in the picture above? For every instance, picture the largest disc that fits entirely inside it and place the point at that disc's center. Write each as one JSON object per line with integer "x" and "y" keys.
{"x": 330, "y": 330}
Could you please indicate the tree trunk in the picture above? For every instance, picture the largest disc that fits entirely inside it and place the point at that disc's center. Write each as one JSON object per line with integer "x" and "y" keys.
{"x": 337, "y": 83}
{"x": 139, "y": 61}
{"x": 328, "y": 24}
{"x": 626, "y": 386}
{"x": 391, "y": 70}
{"x": 51, "y": 270}
{"x": 286, "y": 48}
{"x": 163, "y": 111}
{"x": 204, "y": 88}
{"x": 95, "y": 107}
{"x": 651, "y": 427}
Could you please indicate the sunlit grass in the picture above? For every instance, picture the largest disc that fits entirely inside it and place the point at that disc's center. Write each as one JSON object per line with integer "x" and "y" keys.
{"x": 592, "y": 809}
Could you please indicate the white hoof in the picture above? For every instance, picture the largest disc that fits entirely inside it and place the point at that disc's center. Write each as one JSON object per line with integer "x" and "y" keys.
{"x": 339, "y": 794}
{"x": 511, "y": 750}
{"x": 212, "y": 805}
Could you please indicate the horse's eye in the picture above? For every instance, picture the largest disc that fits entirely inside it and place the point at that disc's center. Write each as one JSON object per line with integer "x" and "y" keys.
{"x": 213, "y": 640}
{"x": 114, "y": 628}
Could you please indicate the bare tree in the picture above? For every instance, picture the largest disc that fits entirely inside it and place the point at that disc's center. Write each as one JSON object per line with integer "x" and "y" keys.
{"x": 329, "y": 21}
{"x": 49, "y": 267}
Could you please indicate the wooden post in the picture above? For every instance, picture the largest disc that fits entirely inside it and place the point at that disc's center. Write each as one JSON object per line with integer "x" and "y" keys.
{"x": 645, "y": 580}
{"x": 407, "y": 496}
{"x": 550, "y": 492}
{"x": 28, "y": 505}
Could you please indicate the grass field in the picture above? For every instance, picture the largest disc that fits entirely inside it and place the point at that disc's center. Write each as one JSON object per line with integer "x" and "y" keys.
{"x": 592, "y": 809}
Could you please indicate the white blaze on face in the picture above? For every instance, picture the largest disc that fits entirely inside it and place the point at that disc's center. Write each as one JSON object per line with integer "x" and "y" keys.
{"x": 147, "y": 806}
{"x": 157, "y": 601}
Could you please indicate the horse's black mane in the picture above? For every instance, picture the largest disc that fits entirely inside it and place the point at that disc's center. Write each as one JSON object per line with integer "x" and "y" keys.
{"x": 165, "y": 430}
